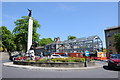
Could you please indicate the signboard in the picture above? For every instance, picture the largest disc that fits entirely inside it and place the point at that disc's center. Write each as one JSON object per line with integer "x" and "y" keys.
{"x": 101, "y": 54}
{"x": 86, "y": 53}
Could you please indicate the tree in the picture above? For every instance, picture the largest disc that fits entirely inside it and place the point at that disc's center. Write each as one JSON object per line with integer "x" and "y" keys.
{"x": 7, "y": 39}
{"x": 71, "y": 37}
{"x": 117, "y": 42}
{"x": 45, "y": 41}
{"x": 21, "y": 32}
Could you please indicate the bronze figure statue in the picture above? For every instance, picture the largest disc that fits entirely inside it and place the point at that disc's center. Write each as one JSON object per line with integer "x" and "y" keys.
{"x": 30, "y": 13}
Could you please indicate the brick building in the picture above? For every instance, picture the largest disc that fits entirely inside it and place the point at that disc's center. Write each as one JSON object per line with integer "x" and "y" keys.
{"x": 109, "y": 37}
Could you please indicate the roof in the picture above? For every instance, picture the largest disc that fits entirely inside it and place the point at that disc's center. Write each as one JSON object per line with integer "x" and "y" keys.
{"x": 81, "y": 39}
{"x": 55, "y": 42}
{"x": 76, "y": 40}
{"x": 111, "y": 28}
{"x": 40, "y": 47}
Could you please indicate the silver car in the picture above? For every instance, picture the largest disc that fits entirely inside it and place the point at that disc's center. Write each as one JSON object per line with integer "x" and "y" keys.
{"x": 55, "y": 56}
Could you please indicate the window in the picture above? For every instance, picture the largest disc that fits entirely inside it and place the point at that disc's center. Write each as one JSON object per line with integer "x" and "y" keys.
{"x": 114, "y": 33}
{"x": 108, "y": 34}
{"x": 110, "y": 51}
{"x": 109, "y": 43}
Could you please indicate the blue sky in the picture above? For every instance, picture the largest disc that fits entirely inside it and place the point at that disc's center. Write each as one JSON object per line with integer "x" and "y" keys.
{"x": 60, "y": 19}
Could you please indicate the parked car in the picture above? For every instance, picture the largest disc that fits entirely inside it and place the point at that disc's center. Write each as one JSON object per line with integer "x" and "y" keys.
{"x": 11, "y": 58}
{"x": 55, "y": 56}
{"x": 114, "y": 61}
{"x": 64, "y": 56}
{"x": 58, "y": 56}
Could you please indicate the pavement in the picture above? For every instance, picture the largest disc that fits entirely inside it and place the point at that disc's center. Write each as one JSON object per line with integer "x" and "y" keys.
{"x": 10, "y": 64}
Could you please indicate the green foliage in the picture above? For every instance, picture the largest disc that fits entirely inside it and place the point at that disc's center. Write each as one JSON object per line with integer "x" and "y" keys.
{"x": 19, "y": 56}
{"x": 43, "y": 60}
{"x": 89, "y": 60}
{"x": 21, "y": 32}
{"x": 117, "y": 42}
{"x": 28, "y": 60}
{"x": 71, "y": 37}
{"x": 70, "y": 59}
{"x": 54, "y": 60}
{"x": 37, "y": 60}
{"x": 82, "y": 59}
{"x": 63, "y": 60}
{"x": 7, "y": 39}
{"x": 1, "y": 48}
{"x": 59, "y": 60}
{"x": 44, "y": 41}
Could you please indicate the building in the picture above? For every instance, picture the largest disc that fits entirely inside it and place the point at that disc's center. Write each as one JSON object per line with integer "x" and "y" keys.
{"x": 39, "y": 50}
{"x": 109, "y": 36}
{"x": 79, "y": 45}
{"x": 52, "y": 47}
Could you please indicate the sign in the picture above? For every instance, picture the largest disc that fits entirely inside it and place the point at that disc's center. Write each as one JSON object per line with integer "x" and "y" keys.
{"x": 86, "y": 53}
{"x": 104, "y": 50}
{"x": 101, "y": 54}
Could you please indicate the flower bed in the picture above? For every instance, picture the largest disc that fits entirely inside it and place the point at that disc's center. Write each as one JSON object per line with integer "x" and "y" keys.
{"x": 58, "y": 62}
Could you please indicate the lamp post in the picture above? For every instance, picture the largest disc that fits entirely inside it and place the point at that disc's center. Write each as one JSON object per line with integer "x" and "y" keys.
{"x": 85, "y": 63}
{"x": 86, "y": 55}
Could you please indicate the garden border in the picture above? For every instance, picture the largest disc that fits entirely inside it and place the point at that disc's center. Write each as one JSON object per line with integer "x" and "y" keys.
{"x": 55, "y": 64}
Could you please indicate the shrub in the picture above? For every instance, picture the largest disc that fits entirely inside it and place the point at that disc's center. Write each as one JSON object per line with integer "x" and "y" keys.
{"x": 37, "y": 59}
{"x": 70, "y": 59}
{"x": 17, "y": 58}
{"x": 50, "y": 61}
{"x": 54, "y": 60}
{"x": 63, "y": 60}
{"x": 59, "y": 61}
{"x": 43, "y": 60}
{"x": 89, "y": 60}
{"x": 23, "y": 58}
{"x": 75, "y": 59}
{"x": 28, "y": 60}
{"x": 82, "y": 59}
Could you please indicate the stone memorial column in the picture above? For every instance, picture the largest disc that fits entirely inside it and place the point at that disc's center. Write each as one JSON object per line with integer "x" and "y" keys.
{"x": 30, "y": 31}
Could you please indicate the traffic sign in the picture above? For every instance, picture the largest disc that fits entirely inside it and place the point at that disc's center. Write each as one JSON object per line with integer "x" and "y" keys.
{"x": 86, "y": 53}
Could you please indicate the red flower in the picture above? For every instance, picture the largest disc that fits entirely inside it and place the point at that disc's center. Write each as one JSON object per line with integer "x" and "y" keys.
{"x": 37, "y": 58}
{"x": 17, "y": 58}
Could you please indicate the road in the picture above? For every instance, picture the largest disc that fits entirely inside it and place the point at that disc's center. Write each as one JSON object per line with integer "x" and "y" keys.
{"x": 101, "y": 72}
{"x": 10, "y": 72}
